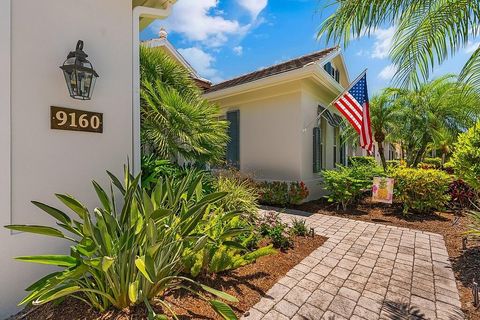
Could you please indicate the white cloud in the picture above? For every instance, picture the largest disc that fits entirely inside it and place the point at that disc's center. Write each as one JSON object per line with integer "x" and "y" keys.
{"x": 471, "y": 46}
{"x": 388, "y": 72}
{"x": 383, "y": 42}
{"x": 199, "y": 20}
{"x": 238, "y": 50}
{"x": 254, "y": 7}
{"x": 202, "y": 62}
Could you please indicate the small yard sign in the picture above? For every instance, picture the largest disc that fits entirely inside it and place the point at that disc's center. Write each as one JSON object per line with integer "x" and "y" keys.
{"x": 75, "y": 120}
{"x": 382, "y": 190}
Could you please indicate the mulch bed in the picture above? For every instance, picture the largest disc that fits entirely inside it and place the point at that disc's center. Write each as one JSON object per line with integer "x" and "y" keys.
{"x": 248, "y": 284}
{"x": 452, "y": 225}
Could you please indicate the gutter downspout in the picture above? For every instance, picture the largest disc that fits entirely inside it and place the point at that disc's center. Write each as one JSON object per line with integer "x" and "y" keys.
{"x": 140, "y": 12}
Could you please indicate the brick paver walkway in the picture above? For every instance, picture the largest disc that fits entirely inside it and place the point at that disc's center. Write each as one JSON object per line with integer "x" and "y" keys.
{"x": 365, "y": 271}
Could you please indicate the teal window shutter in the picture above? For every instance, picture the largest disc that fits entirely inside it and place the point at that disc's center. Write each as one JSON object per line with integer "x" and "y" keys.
{"x": 233, "y": 146}
{"x": 317, "y": 150}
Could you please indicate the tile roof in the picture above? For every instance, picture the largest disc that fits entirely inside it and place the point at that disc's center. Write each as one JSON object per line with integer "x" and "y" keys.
{"x": 287, "y": 66}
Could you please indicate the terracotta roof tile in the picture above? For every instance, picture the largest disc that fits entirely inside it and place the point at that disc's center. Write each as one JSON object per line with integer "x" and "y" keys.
{"x": 290, "y": 65}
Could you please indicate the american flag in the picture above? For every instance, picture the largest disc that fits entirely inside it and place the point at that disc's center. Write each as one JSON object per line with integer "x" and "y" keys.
{"x": 353, "y": 104}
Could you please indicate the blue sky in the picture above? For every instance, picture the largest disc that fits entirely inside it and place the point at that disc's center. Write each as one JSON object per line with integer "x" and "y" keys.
{"x": 223, "y": 39}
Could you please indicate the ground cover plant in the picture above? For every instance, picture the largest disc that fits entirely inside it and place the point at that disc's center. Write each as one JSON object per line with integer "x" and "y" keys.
{"x": 123, "y": 255}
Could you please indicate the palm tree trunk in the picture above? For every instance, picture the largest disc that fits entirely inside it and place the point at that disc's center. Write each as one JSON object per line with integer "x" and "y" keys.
{"x": 420, "y": 153}
{"x": 382, "y": 155}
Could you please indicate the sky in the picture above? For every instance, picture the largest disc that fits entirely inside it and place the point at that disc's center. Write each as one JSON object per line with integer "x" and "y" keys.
{"x": 223, "y": 39}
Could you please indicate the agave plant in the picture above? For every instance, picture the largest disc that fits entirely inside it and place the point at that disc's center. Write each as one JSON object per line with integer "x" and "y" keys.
{"x": 123, "y": 255}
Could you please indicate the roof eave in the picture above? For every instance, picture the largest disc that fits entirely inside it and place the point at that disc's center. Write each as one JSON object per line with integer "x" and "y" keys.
{"x": 312, "y": 70}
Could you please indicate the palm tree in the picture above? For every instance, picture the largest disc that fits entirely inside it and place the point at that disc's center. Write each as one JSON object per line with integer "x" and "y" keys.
{"x": 176, "y": 119}
{"x": 426, "y": 115}
{"x": 427, "y": 32}
{"x": 383, "y": 115}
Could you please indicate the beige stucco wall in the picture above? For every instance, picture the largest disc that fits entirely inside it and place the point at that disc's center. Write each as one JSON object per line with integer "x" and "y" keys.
{"x": 45, "y": 161}
{"x": 270, "y": 128}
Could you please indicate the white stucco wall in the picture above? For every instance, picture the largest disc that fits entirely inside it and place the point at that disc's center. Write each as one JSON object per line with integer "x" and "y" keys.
{"x": 45, "y": 161}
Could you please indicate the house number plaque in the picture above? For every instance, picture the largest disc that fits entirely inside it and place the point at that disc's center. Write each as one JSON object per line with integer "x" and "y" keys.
{"x": 75, "y": 120}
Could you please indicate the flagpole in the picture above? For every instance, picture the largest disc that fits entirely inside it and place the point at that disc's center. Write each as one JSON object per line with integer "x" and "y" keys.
{"x": 334, "y": 100}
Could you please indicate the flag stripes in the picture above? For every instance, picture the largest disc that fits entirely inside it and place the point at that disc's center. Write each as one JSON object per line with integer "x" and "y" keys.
{"x": 354, "y": 105}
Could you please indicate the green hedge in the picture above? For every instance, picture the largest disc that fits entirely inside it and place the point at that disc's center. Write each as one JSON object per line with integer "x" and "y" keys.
{"x": 420, "y": 190}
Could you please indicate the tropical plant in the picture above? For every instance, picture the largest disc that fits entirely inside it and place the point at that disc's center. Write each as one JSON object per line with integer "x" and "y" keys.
{"x": 242, "y": 196}
{"x": 382, "y": 113}
{"x": 226, "y": 250}
{"x": 429, "y": 113}
{"x": 427, "y": 32}
{"x": 154, "y": 168}
{"x": 176, "y": 120}
{"x": 420, "y": 190}
{"x": 462, "y": 196}
{"x": 466, "y": 157}
{"x": 127, "y": 251}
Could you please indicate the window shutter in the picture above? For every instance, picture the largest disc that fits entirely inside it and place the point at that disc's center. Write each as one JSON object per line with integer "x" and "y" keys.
{"x": 316, "y": 150}
{"x": 233, "y": 146}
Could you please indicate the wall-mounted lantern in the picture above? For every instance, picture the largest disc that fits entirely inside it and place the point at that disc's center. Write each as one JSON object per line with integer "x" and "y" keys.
{"x": 79, "y": 74}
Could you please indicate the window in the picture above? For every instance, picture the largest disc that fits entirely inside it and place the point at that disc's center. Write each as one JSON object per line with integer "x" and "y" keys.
{"x": 233, "y": 146}
{"x": 332, "y": 71}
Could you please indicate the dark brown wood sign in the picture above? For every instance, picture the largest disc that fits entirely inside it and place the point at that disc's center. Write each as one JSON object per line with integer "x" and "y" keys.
{"x": 75, "y": 120}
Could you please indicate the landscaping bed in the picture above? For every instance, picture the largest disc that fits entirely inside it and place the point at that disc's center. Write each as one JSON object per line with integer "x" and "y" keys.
{"x": 449, "y": 224}
{"x": 248, "y": 283}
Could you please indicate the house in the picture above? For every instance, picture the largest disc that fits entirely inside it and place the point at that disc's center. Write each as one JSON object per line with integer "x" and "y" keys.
{"x": 37, "y": 160}
{"x": 282, "y": 127}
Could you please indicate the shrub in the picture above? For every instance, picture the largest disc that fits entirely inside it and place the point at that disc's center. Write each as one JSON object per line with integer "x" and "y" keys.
{"x": 345, "y": 185}
{"x": 393, "y": 163}
{"x": 298, "y": 192}
{"x": 461, "y": 194}
{"x": 272, "y": 227}
{"x": 466, "y": 157}
{"x": 122, "y": 256}
{"x": 277, "y": 193}
{"x": 361, "y": 161}
{"x": 422, "y": 191}
{"x": 274, "y": 193}
{"x": 436, "y": 163}
{"x": 474, "y": 228}
{"x": 299, "y": 227}
{"x": 241, "y": 195}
